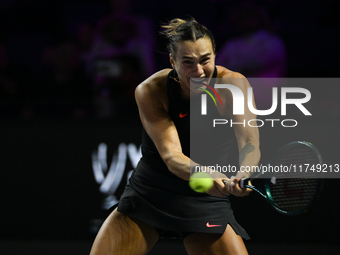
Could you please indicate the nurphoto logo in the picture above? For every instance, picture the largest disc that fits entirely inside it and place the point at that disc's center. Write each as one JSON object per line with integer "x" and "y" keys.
{"x": 239, "y": 105}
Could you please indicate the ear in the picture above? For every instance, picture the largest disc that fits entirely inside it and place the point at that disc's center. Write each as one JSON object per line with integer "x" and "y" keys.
{"x": 172, "y": 62}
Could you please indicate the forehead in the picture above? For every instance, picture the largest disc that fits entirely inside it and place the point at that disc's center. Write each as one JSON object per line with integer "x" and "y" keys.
{"x": 196, "y": 49}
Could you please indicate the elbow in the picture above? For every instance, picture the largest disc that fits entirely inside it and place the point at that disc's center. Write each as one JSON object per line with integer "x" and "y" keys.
{"x": 169, "y": 159}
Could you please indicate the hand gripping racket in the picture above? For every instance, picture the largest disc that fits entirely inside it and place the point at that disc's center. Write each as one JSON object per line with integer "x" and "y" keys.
{"x": 292, "y": 191}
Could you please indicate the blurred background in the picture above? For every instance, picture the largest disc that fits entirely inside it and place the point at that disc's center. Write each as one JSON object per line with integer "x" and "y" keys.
{"x": 69, "y": 126}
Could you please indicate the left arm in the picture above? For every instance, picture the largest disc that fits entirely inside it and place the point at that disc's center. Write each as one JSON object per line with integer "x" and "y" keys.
{"x": 248, "y": 138}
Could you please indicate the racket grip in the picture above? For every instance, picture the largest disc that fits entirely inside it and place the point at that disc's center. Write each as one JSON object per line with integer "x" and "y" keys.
{"x": 242, "y": 183}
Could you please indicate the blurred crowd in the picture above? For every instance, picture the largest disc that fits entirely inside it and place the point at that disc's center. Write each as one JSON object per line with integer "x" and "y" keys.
{"x": 83, "y": 59}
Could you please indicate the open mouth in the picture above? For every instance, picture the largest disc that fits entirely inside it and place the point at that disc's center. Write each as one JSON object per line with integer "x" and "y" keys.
{"x": 197, "y": 84}
{"x": 198, "y": 80}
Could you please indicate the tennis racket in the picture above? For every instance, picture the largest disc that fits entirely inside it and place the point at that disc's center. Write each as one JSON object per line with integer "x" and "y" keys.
{"x": 290, "y": 193}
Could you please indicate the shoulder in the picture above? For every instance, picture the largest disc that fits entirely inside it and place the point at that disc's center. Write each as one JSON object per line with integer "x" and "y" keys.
{"x": 155, "y": 83}
{"x": 236, "y": 79}
{"x": 153, "y": 88}
{"x": 231, "y": 77}
{"x": 223, "y": 72}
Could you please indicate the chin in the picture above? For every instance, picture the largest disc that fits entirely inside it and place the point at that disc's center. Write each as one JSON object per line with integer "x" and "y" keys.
{"x": 196, "y": 89}
{"x": 194, "y": 86}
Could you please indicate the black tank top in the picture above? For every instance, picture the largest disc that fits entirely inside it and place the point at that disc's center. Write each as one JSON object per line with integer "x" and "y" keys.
{"x": 215, "y": 148}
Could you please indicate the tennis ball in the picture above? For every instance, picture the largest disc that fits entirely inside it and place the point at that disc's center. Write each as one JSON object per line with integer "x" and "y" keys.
{"x": 201, "y": 182}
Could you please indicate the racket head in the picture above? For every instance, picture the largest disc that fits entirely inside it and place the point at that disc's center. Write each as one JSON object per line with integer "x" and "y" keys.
{"x": 297, "y": 152}
{"x": 294, "y": 194}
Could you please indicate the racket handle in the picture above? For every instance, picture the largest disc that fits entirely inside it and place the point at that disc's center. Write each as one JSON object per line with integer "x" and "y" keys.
{"x": 242, "y": 181}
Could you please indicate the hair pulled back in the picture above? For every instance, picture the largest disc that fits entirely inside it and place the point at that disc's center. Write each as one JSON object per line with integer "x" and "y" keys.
{"x": 179, "y": 30}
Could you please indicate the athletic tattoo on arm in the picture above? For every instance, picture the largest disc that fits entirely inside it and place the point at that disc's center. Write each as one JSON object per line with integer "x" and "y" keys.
{"x": 244, "y": 151}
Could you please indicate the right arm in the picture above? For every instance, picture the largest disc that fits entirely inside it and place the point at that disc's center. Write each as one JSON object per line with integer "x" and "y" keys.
{"x": 152, "y": 101}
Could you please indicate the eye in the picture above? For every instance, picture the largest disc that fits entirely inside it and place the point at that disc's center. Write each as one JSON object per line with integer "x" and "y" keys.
{"x": 188, "y": 62}
{"x": 205, "y": 61}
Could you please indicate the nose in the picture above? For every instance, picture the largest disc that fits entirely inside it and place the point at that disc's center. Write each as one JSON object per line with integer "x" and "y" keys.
{"x": 199, "y": 70}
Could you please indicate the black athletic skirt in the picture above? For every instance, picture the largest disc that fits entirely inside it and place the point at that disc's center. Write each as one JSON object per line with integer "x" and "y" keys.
{"x": 169, "y": 205}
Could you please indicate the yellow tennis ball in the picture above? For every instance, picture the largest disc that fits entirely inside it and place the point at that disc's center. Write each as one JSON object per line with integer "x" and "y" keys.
{"x": 201, "y": 182}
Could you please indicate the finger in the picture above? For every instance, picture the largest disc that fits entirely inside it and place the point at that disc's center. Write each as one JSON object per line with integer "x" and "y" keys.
{"x": 218, "y": 189}
{"x": 235, "y": 189}
{"x": 222, "y": 187}
{"x": 225, "y": 181}
{"x": 231, "y": 184}
{"x": 232, "y": 179}
{"x": 227, "y": 185}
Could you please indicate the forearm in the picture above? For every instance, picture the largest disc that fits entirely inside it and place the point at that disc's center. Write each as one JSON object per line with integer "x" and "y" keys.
{"x": 178, "y": 164}
{"x": 249, "y": 156}
{"x": 183, "y": 167}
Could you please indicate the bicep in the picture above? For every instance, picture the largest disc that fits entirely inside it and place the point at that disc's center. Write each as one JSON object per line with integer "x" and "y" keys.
{"x": 157, "y": 123}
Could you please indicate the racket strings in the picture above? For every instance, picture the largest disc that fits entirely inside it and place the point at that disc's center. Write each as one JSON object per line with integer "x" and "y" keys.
{"x": 296, "y": 160}
{"x": 296, "y": 192}
{"x": 293, "y": 195}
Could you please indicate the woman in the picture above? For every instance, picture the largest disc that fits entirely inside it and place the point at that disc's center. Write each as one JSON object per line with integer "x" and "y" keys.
{"x": 158, "y": 199}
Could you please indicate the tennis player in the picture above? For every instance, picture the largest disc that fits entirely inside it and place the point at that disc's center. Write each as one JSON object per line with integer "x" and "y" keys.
{"x": 158, "y": 200}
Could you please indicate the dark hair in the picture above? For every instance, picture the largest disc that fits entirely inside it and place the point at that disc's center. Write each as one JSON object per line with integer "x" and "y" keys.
{"x": 178, "y": 30}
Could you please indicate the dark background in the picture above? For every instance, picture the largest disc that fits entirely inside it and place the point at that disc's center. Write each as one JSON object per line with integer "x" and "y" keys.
{"x": 49, "y": 197}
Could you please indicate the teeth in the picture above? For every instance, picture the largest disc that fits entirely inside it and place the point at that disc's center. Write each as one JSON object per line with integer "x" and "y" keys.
{"x": 198, "y": 79}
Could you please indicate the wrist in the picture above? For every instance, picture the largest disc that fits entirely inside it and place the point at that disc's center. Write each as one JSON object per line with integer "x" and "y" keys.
{"x": 243, "y": 174}
{"x": 195, "y": 169}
